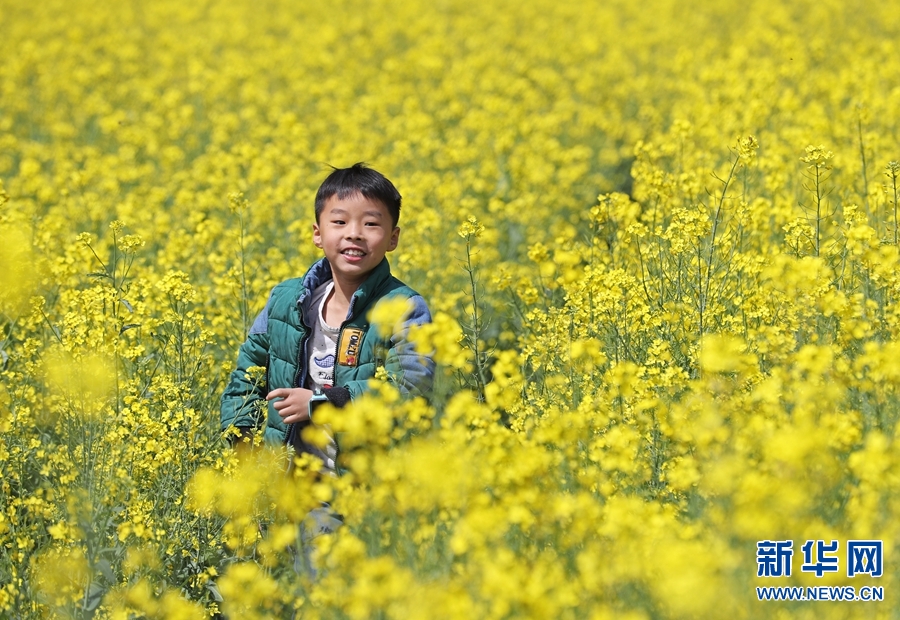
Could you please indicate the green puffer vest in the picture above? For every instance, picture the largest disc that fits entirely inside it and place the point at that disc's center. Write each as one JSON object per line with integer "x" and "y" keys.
{"x": 279, "y": 336}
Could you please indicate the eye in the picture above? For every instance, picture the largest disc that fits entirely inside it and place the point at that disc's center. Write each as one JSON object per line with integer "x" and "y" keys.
{"x": 338, "y": 222}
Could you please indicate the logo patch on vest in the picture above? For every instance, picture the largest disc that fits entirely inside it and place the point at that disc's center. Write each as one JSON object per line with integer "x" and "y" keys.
{"x": 348, "y": 347}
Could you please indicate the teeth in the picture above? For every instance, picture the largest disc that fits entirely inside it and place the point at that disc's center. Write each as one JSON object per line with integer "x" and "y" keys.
{"x": 354, "y": 253}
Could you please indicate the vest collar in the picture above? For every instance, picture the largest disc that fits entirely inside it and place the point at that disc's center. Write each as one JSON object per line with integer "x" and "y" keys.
{"x": 320, "y": 272}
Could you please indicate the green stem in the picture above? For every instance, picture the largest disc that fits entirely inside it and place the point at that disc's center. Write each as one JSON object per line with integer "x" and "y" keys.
{"x": 704, "y": 288}
{"x": 245, "y": 311}
{"x": 894, "y": 181}
{"x": 476, "y": 325}
{"x": 862, "y": 155}
{"x": 818, "y": 208}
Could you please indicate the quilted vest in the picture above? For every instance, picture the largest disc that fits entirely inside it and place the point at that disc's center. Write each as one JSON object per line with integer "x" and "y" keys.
{"x": 359, "y": 352}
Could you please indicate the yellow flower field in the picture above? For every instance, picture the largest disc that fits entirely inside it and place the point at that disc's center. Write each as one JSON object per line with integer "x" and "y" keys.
{"x": 660, "y": 241}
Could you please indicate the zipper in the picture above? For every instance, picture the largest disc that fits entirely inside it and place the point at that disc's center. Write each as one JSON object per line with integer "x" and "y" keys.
{"x": 302, "y": 351}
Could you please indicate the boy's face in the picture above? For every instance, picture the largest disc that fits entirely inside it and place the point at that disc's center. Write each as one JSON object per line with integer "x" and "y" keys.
{"x": 355, "y": 234}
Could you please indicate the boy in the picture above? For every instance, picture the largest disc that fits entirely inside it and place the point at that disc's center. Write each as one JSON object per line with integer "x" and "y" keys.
{"x": 313, "y": 333}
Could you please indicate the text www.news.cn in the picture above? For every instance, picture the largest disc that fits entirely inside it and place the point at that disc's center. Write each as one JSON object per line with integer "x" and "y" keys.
{"x": 820, "y": 593}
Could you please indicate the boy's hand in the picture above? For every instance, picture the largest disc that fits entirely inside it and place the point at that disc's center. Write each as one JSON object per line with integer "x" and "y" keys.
{"x": 294, "y": 403}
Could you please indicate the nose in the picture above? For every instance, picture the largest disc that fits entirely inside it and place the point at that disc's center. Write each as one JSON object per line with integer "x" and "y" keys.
{"x": 354, "y": 231}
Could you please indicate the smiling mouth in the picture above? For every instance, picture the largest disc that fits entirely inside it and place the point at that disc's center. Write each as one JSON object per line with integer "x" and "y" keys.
{"x": 357, "y": 253}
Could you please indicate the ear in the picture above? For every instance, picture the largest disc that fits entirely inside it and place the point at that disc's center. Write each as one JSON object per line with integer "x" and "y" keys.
{"x": 395, "y": 238}
{"x": 317, "y": 236}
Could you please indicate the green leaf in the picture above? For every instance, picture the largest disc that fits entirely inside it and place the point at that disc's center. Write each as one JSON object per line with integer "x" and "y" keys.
{"x": 94, "y": 596}
{"x": 214, "y": 590}
{"x": 104, "y": 567}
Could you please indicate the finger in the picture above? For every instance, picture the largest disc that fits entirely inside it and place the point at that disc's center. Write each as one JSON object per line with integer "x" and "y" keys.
{"x": 283, "y": 407}
{"x": 278, "y": 393}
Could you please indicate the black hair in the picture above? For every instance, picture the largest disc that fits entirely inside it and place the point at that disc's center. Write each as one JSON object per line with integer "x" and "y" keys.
{"x": 359, "y": 179}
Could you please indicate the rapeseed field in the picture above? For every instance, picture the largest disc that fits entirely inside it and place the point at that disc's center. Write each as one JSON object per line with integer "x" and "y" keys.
{"x": 659, "y": 239}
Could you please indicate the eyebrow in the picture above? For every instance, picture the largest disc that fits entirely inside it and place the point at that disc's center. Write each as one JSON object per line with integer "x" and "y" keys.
{"x": 372, "y": 213}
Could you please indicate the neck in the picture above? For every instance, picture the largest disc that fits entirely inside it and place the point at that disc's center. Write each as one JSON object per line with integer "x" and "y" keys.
{"x": 344, "y": 290}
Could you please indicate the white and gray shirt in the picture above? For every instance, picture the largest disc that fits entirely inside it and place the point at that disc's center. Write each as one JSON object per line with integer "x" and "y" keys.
{"x": 322, "y": 345}
{"x": 322, "y": 348}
